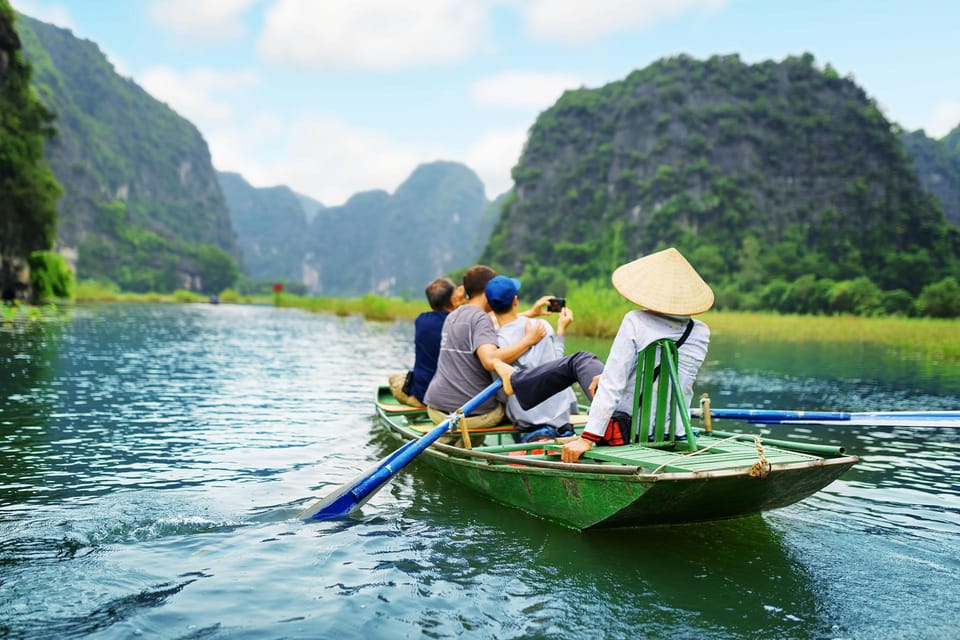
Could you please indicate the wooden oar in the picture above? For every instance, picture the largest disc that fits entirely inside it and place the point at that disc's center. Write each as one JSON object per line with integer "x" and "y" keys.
{"x": 353, "y": 494}
{"x": 864, "y": 418}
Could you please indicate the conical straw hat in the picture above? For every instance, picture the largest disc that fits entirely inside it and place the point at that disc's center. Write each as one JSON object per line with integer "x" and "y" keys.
{"x": 664, "y": 282}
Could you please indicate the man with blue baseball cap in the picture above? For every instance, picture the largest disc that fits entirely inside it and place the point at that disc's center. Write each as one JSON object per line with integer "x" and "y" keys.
{"x": 551, "y": 418}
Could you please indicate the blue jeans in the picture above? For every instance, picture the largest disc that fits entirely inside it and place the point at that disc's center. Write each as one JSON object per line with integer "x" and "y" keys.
{"x": 541, "y": 433}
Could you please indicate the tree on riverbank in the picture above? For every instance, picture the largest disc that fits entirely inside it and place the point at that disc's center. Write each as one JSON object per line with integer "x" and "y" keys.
{"x": 28, "y": 189}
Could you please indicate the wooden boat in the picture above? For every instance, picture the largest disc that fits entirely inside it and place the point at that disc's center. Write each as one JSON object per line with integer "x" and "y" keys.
{"x": 709, "y": 476}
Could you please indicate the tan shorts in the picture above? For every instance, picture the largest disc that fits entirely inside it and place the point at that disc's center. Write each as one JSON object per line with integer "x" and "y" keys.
{"x": 482, "y": 421}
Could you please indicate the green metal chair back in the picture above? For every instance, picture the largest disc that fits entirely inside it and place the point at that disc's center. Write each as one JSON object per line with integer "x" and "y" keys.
{"x": 658, "y": 396}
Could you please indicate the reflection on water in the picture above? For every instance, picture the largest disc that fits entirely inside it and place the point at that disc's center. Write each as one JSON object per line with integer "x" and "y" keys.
{"x": 733, "y": 579}
{"x": 152, "y": 459}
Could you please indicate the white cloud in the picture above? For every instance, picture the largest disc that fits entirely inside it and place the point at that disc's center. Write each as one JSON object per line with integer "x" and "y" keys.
{"x": 330, "y": 160}
{"x": 372, "y": 34}
{"x": 494, "y": 155}
{"x": 51, "y": 13}
{"x": 522, "y": 89}
{"x": 206, "y": 20}
{"x": 316, "y": 154}
{"x": 945, "y": 119}
{"x": 579, "y": 22}
{"x": 201, "y": 95}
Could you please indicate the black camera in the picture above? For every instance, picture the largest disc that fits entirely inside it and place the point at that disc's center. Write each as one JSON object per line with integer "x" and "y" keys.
{"x": 555, "y": 304}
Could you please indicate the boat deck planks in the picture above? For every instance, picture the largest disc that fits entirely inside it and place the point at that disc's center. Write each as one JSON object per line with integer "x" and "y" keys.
{"x": 731, "y": 455}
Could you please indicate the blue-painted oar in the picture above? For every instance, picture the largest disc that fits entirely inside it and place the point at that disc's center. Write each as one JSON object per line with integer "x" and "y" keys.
{"x": 771, "y": 414}
{"x": 353, "y": 494}
{"x": 930, "y": 419}
{"x": 864, "y": 418}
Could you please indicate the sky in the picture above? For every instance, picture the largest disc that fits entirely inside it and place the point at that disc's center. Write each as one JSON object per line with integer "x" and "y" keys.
{"x": 334, "y": 97}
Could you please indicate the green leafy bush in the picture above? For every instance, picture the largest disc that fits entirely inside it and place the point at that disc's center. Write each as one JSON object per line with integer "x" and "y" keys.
{"x": 217, "y": 269}
{"x": 940, "y": 299}
{"x": 230, "y": 295}
{"x": 50, "y": 276}
{"x": 859, "y": 296}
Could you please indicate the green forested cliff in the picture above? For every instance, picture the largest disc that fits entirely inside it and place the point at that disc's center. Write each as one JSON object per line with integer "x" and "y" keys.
{"x": 937, "y": 165}
{"x": 28, "y": 189}
{"x": 780, "y": 182}
{"x": 271, "y": 226}
{"x": 141, "y": 205}
{"x": 396, "y": 243}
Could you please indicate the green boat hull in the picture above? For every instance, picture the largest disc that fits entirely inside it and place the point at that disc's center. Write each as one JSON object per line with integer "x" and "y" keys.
{"x": 600, "y": 494}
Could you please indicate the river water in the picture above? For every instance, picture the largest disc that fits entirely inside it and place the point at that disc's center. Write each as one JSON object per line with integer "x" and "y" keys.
{"x": 153, "y": 457}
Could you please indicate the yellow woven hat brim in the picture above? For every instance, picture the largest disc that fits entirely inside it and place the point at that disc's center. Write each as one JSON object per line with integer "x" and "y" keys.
{"x": 664, "y": 282}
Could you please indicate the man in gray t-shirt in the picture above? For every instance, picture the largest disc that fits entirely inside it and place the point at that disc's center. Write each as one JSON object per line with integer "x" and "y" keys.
{"x": 460, "y": 374}
{"x": 468, "y": 348}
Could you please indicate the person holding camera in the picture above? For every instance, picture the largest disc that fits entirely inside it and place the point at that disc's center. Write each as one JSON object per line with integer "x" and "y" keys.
{"x": 551, "y": 418}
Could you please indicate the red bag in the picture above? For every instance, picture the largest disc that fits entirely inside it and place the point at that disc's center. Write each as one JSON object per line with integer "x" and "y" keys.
{"x": 618, "y": 430}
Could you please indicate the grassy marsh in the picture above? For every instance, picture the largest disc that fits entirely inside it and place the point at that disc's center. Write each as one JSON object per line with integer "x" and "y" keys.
{"x": 597, "y": 314}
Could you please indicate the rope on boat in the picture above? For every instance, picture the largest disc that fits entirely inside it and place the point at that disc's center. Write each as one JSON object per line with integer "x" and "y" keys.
{"x": 458, "y": 421}
{"x": 760, "y": 469}
{"x": 705, "y": 412}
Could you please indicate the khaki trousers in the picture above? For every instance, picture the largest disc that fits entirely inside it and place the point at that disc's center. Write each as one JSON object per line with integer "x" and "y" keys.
{"x": 482, "y": 421}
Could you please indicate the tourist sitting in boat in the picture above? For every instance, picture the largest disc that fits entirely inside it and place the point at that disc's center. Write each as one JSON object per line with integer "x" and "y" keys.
{"x": 468, "y": 348}
{"x": 409, "y": 386}
{"x": 551, "y": 418}
{"x": 670, "y": 291}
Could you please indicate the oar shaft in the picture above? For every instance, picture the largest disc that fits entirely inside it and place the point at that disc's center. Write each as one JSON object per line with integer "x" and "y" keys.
{"x": 772, "y": 414}
{"x": 353, "y": 494}
{"x": 880, "y": 418}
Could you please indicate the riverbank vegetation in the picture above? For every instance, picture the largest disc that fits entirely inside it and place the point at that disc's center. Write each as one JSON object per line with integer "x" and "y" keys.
{"x": 102, "y": 291}
{"x": 597, "y": 314}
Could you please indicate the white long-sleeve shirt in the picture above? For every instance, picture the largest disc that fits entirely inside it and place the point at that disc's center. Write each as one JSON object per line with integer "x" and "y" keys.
{"x": 637, "y": 330}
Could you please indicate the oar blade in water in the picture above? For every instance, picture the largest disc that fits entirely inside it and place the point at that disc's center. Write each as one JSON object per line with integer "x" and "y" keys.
{"x": 355, "y": 493}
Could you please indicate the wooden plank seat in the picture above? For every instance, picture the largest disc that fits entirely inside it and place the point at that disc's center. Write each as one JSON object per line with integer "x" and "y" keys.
{"x": 577, "y": 420}
{"x": 395, "y": 407}
{"x": 711, "y": 457}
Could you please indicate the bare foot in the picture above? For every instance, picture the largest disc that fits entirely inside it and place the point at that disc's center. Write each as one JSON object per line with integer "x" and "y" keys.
{"x": 592, "y": 391}
{"x": 505, "y": 372}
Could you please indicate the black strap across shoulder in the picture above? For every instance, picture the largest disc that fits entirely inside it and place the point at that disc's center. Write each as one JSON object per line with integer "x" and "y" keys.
{"x": 683, "y": 338}
{"x": 686, "y": 333}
